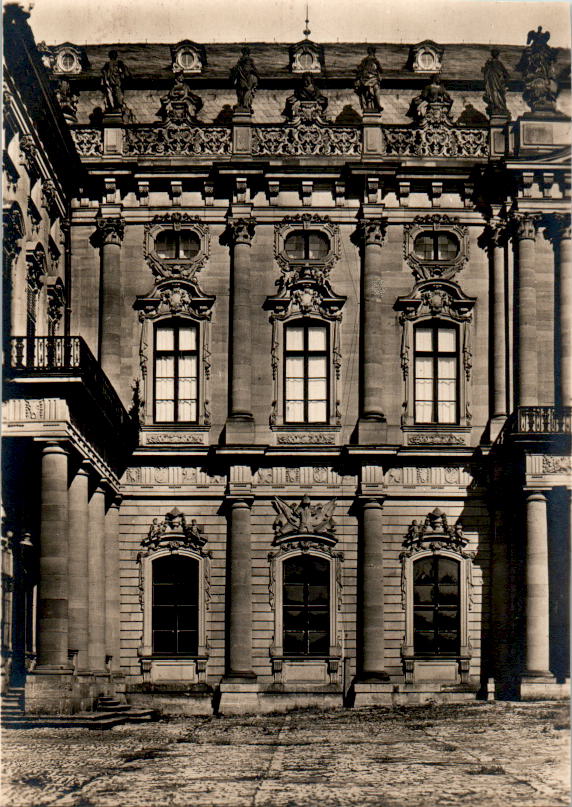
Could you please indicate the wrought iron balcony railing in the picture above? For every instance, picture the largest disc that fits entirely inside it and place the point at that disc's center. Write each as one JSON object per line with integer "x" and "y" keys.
{"x": 543, "y": 420}
{"x": 61, "y": 357}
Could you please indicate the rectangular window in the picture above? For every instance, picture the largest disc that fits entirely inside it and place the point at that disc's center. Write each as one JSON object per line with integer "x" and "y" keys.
{"x": 176, "y": 372}
{"x": 175, "y": 606}
{"x": 306, "y": 373}
{"x": 436, "y": 374}
{"x": 306, "y": 606}
{"x": 436, "y": 606}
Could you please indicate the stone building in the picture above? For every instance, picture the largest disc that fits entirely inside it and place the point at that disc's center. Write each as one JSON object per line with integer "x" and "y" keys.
{"x": 287, "y": 373}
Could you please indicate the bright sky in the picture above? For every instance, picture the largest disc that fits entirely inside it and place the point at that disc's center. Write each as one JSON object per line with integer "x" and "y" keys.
{"x": 484, "y": 21}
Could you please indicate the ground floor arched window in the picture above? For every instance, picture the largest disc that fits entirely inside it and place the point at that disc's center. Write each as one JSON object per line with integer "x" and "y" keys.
{"x": 306, "y": 605}
{"x": 175, "y": 606}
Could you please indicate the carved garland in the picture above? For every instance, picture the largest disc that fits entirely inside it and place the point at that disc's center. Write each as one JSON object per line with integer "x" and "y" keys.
{"x": 168, "y": 299}
{"x": 444, "y": 270}
{"x": 179, "y": 268}
{"x": 446, "y": 301}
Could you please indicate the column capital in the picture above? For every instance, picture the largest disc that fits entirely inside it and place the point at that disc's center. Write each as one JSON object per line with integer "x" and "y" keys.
{"x": 372, "y": 231}
{"x": 109, "y": 230}
{"x": 53, "y": 447}
{"x": 557, "y": 227}
{"x": 495, "y": 234}
{"x": 372, "y": 502}
{"x": 525, "y": 225}
{"x": 241, "y": 230}
{"x": 535, "y": 495}
{"x": 116, "y": 501}
{"x": 239, "y": 502}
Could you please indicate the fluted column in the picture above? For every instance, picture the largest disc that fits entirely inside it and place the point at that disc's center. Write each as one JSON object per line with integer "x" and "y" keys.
{"x": 537, "y": 614}
{"x": 526, "y": 356}
{"x": 372, "y": 663}
{"x": 53, "y": 572}
{"x": 372, "y": 233}
{"x": 241, "y": 233}
{"x": 109, "y": 235}
{"x": 112, "y": 584}
{"x": 78, "y": 532}
{"x": 496, "y": 241}
{"x": 96, "y": 580}
{"x": 558, "y": 230}
{"x": 239, "y": 570}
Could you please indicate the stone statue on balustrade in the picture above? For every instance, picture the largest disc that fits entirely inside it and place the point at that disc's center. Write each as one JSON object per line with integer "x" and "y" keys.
{"x": 433, "y": 106}
{"x": 113, "y": 76}
{"x": 244, "y": 77}
{"x": 67, "y": 100}
{"x": 307, "y": 104}
{"x": 537, "y": 67}
{"x": 496, "y": 78}
{"x": 368, "y": 83}
{"x": 180, "y": 106}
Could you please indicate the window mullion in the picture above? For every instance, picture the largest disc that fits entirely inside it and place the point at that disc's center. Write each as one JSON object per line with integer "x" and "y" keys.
{"x": 176, "y": 372}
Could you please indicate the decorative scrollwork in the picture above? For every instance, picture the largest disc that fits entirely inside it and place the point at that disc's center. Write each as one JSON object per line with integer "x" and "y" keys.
{"x": 436, "y": 141}
{"x": 88, "y": 142}
{"x": 311, "y": 140}
{"x": 174, "y": 532}
{"x": 184, "y": 140}
{"x": 315, "y": 519}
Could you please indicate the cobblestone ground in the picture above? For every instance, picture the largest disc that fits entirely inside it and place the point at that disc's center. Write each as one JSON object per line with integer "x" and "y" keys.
{"x": 493, "y": 754}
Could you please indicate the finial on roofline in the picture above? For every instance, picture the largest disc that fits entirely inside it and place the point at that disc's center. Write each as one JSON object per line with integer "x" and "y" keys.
{"x": 306, "y": 30}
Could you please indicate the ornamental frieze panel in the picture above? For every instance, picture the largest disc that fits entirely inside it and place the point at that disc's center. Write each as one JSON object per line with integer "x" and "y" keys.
{"x": 159, "y": 141}
{"x": 538, "y": 465}
{"x": 317, "y": 475}
{"x": 173, "y": 476}
{"x": 310, "y": 140}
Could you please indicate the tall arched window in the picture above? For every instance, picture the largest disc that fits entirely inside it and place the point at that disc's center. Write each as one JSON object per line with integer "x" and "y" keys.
{"x": 176, "y": 384}
{"x": 175, "y": 606}
{"x": 436, "y": 601}
{"x": 436, "y": 372}
{"x": 306, "y": 376}
{"x": 306, "y": 606}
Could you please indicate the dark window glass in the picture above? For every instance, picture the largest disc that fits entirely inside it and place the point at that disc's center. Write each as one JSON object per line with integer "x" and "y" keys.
{"x": 176, "y": 372}
{"x": 307, "y": 245}
{"x": 436, "y": 606}
{"x": 436, "y": 246}
{"x": 177, "y": 245}
{"x": 306, "y": 606}
{"x": 175, "y": 612}
{"x": 436, "y": 373}
{"x": 306, "y": 373}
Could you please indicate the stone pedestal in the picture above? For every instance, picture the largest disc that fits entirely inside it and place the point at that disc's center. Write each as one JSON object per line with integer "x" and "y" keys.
{"x": 113, "y": 134}
{"x": 372, "y": 144}
{"x": 50, "y": 693}
{"x": 238, "y": 697}
{"x": 241, "y": 133}
{"x": 373, "y": 693}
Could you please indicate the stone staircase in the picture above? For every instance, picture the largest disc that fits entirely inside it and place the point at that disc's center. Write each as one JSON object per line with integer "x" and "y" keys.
{"x": 108, "y": 712}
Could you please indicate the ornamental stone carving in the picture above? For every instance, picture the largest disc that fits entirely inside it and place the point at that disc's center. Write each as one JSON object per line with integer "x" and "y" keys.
{"x": 188, "y": 57}
{"x": 110, "y": 230}
{"x": 307, "y": 104}
{"x": 433, "y": 106}
{"x": 56, "y": 303}
{"x": 372, "y": 231}
{"x": 68, "y": 101}
{"x": 305, "y": 221}
{"x": 435, "y": 223}
{"x": 537, "y": 67}
{"x": 14, "y": 230}
{"x": 306, "y": 56}
{"x": 306, "y": 438}
{"x": 179, "y": 106}
{"x": 367, "y": 85}
{"x": 114, "y": 74}
{"x": 426, "y": 56}
{"x": 293, "y": 520}
{"x": 173, "y": 532}
{"x": 556, "y": 465}
{"x": 88, "y": 142}
{"x": 557, "y": 227}
{"x": 435, "y": 533}
{"x": 244, "y": 78}
{"x": 525, "y": 225}
{"x": 312, "y": 139}
{"x": 241, "y": 230}
{"x": 182, "y": 268}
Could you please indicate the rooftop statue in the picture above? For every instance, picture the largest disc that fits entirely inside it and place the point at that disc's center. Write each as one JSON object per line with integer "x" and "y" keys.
{"x": 434, "y": 104}
{"x": 496, "y": 77}
{"x": 180, "y": 105}
{"x": 113, "y": 75}
{"x": 368, "y": 83}
{"x": 244, "y": 77}
{"x": 307, "y": 104}
{"x": 537, "y": 67}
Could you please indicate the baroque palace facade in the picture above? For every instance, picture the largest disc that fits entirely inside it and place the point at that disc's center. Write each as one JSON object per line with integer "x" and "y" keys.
{"x": 287, "y": 373}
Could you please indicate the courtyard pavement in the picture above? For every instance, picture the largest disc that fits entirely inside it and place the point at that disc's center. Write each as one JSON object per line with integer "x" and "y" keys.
{"x": 493, "y": 754}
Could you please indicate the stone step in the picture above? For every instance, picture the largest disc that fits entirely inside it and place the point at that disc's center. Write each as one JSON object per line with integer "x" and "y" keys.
{"x": 91, "y": 720}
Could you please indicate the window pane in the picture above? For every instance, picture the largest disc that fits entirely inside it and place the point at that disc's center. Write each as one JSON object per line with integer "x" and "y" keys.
{"x": 448, "y": 571}
{"x": 188, "y": 244}
{"x": 318, "y": 643}
{"x": 166, "y": 244}
{"x": 317, "y": 412}
{"x": 294, "y": 338}
{"x": 165, "y": 411}
{"x": 318, "y": 246}
{"x": 294, "y": 245}
{"x": 294, "y": 412}
{"x": 317, "y": 390}
{"x": 164, "y": 617}
{"x": 423, "y": 619}
{"x": 448, "y": 595}
{"x": 165, "y": 367}
{"x": 447, "y": 368}
{"x": 294, "y": 643}
{"x": 424, "y": 339}
{"x": 423, "y": 412}
{"x": 187, "y": 642}
{"x": 294, "y": 367}
{"x": 294, "y": 618}
{"x": 187, "y": 367}
{"x": 187, "y": 338}
{"x": 164, "y": 641}
{"x": 316, "y": 367}
{"x": 293, "y": 594}
{"x": 187, "y": 389}
{"x": 316, "y": 338}
{"x": 446, "y": 413}
{"x": 295, "y": 390}
{"x": 318, "y": 595}
{"x": 446, "y": 340}
{"x": 423, "y": 595}
{"x": 447, "y": 247}
{"x": 424, "y": 367}
{"x": 187, "y": 411}
{"x": 165, "y": 337}
{"x": 423, "y": 571}
{"x": 424, "y": 247}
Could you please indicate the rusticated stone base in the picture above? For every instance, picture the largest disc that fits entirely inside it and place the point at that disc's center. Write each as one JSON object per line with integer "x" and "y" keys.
{"x": 48, "y": 693}
{"x": 395, "y": 694}
{"x": 238, "y": 698}
{"x": 372, "y": 432}
{"x": 174, "y": 703}
{"x": 543, "y": 688}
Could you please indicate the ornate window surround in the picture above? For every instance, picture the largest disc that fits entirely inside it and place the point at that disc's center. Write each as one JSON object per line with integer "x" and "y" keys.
{"x": 304, "y": 292}
{"x": 173, "y": 536}
{"x": 436, "y": 223}
{"x": 427, "y": 47}
{"x": 306, "y": 48}
{"x": 187, "y": 47}
{"x": 177, "y": 267}
{"x": 442, "y": 300}
{"x": 185, "y": 300}
{"x": 299, "y": 544}
{"x": 60, "y": 53}
{"x": 436, "y": 537}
